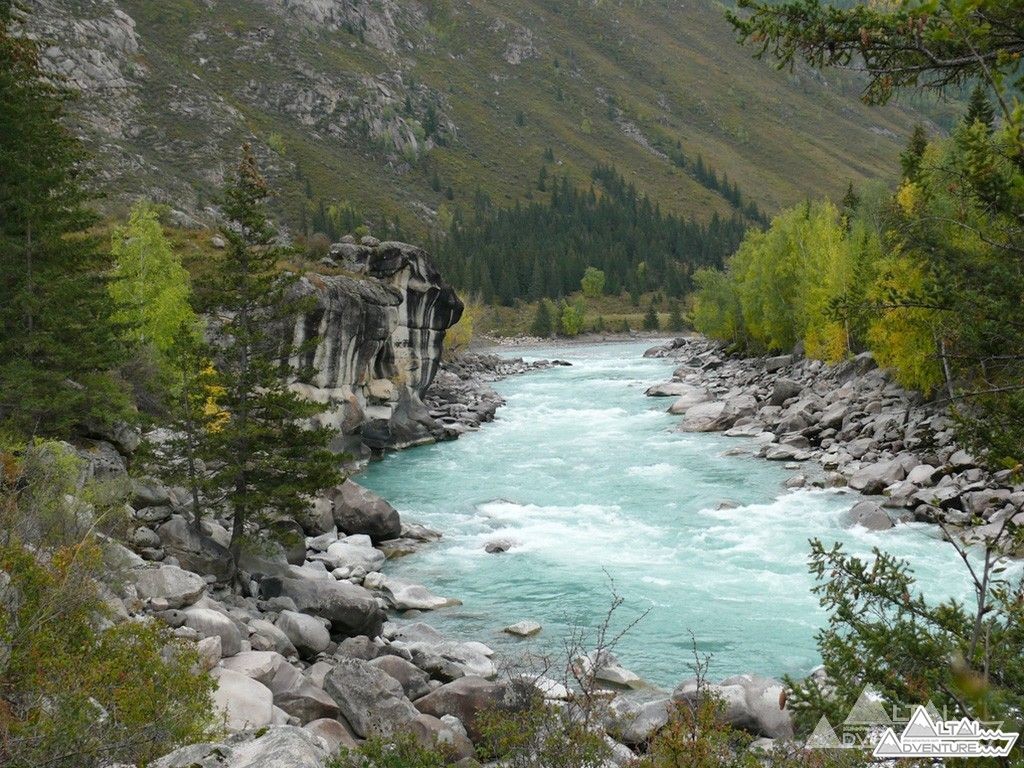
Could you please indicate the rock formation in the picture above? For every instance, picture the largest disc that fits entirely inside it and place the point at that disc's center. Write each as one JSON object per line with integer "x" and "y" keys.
{"x": 379, "y": 320}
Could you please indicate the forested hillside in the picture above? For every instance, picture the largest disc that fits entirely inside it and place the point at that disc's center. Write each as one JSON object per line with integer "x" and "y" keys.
{"x": 383, "y": 110}
{"x": 541, "y": 250}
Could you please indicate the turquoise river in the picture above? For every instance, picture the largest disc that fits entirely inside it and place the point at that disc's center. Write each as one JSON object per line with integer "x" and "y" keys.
{"x": 590, "y": 481}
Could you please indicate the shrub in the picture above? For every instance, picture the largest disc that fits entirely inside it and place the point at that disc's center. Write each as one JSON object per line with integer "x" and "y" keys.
{"x": 76, "y": 689}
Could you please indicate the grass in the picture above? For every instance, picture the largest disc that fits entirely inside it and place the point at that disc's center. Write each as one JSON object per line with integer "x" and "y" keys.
{"x": 672, "y": 69}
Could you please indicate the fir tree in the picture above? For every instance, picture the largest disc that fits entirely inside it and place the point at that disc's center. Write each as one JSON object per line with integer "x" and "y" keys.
{"x": 675, "y": 317}
{"x": 543, "y": 322}
{"x": 910, "y": 160}
{"x": 979, "y": 109}
{"x": 268, "y": 460}
{"x": 58, "y": 341}
{"x": 651, "y": 322}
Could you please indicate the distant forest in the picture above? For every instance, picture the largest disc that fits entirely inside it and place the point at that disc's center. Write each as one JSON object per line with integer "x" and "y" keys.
{"x": 542, "y": 249}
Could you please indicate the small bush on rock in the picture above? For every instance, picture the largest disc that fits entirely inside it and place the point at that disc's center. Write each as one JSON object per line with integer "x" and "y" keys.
{"x": 402, "y": 750}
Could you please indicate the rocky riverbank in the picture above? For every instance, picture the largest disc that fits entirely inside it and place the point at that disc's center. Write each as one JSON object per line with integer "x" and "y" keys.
{"x": 461, "y": 398}
{"x": 853, "y": 423}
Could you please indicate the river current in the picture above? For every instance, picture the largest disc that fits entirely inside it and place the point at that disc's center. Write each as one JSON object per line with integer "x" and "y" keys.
{"x": 589, "y": 481}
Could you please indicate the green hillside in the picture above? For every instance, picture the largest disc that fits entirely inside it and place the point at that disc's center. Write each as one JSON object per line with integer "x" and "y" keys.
{"x": 406, "y": 110}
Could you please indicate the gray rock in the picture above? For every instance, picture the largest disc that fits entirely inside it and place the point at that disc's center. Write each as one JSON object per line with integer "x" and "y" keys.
{"x": 752, "y": 703}
{"x": 467, "y": 698}
{"x": 351, "y": 609}
{"x": 306, "y": 633}
{"x": 524, "y": 628}
{"x": 869, "y": 515}
{"x": 264, "y": 636}
{"x": 404, "y": 595}
{"x": 371, "y": 700}
{"x": 245, "y": 703}
{"x": 358, "y": 510}
{"x": 332, "y": 733}
{"x": 874, "y": 478}
{"x": 634, "y": 719}
{"x": 784, "y": 389}
{"x": 208, "y": 622}
{"x": 307, "y": 703}
{"x": 413, "y": 680}
{"x": 175, "y": 587}
{"x": 195, "y": 550}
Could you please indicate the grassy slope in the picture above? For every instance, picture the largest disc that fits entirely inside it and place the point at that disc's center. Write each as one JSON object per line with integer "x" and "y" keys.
{"x": 673, "y": 69}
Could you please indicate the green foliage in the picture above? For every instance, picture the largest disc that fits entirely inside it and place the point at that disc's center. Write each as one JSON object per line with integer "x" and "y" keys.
{"x": 544, "y": 321}
{"x": 545, "y": 249}
{"x": 676, "y": 322}
{"x": 571, "y": 318}
{"x": 592, "y": 283}
{"x": 540, "y": 735}
{"x": 76, "y": 689}
{"x": 883, "y": 634}
{"x": 948, "y": 301}
{"x": 403, "y": 750}
{"x": 58, "y": 341}
{"x": 651, "y": 322}
{"x": 459, "y": 337}
{"x": 266, "y": 461}
{"x": 149, "y": 285}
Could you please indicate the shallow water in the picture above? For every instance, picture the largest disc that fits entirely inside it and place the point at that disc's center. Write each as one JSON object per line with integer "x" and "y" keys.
{"x": 586, "y": 475}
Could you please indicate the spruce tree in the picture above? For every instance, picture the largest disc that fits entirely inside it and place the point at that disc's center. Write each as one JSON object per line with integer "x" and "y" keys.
{"x": 651, "y": 322}
{"x": 979, "y": 109}
{"x": 268, "y": 460}
{"x": 910, "y": 160}
{"x": 58, "y": 342}
{"x": 675, "y": 317}
{"x": 543, "y": 322}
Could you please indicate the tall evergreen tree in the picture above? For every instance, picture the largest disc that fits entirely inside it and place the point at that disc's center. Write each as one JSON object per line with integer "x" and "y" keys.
{"x": 543, "y": 321}
{"x": 651, "y": 322}
{"x": 910, "y": 159}
{"x": 57, "y": 339}
{"x": 979, "y": 109}
{"x": 268, "y": 459}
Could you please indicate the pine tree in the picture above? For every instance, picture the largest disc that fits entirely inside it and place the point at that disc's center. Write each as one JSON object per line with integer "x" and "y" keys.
{"x": 58, "y": 341}
{"x": 651, "y": 322}
{"x": 675, "y": 317}
{"x": 910, "y": 160}
{"x": 543, "y": 322}
{"x": 979, "y": 109}
{"x": 268, "y": 460}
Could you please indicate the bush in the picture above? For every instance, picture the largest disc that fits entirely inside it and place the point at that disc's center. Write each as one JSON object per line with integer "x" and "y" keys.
{"x": 402, "y": 750}
{"x": 571, "y": 320}
{"x": 78, "y": 690}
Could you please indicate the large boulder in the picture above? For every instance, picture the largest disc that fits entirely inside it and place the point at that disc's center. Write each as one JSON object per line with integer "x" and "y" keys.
{"x": 306, "y": 633}
{"x": 703, "y": 417}
{"x": 467, "y": 698}
{"x": 784, "y": 389}
{"x": 752, "y": 703}
{"x": 195, "y": 550}
{"x": 280, "y": 746}
{"x": 413, "y": 680}
{"x": 358, "y": 510}
{"x": 688, "y": 398}
{"x": 170, "y": 585}
{"x": 332, "y": 733}
{"x": 351, "y": 609}
{"x": 209, "y": 623}
{"x": 869, "y": 515}
{"x": 406, "y": 596}
{"x": 352, "y": 554}
{"x": 371, "y": 700}
{"x": 634, "y": 718}
{"x": 307, "y": 702}
{"x": 245, "y": 703}
{"x": 874, "y": 478}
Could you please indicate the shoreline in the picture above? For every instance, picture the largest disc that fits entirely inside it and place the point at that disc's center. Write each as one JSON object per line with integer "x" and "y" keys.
{"x": 323, "y": 646}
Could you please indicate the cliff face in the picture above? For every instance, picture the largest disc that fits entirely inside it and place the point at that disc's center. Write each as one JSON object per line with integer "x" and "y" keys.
{"x": 380, "y": 332}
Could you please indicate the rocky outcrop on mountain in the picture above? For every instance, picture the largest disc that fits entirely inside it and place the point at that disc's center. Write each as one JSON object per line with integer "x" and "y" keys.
{"x": 860, "y": 426}
{"x": 379, "y": 325}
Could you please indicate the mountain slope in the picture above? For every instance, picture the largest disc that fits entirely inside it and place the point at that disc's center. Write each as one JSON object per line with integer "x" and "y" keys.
{"x": 407, "y": 108}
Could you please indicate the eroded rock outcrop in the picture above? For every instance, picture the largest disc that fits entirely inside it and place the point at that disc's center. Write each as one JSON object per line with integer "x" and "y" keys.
{"x": 380, "y": 324}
